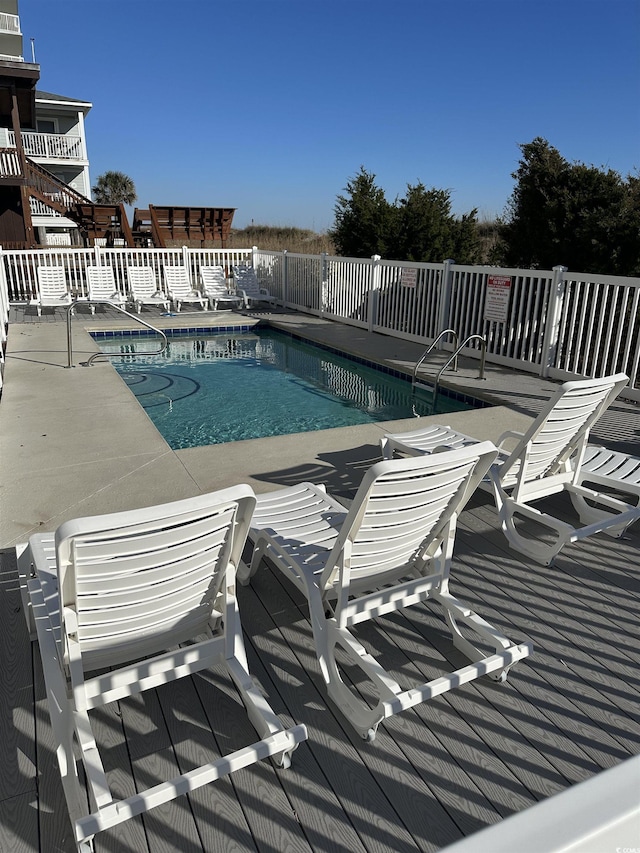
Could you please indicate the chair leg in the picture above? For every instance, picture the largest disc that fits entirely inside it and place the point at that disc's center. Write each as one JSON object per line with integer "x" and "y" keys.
{"x": 364, "y": 718}
{"x": 540, "y": 552}
{"x": 261, "y": 715}
{"x": 594, "y": 512}
{"x": 454, "y": 612}
{"x": 60, "y": 712}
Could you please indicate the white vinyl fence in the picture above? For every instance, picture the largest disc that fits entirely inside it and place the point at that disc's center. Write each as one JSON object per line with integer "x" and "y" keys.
{"x": 553, "y": 323}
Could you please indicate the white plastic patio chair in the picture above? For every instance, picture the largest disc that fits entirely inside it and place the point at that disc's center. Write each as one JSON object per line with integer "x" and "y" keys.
{"x": 101, "y": 285}
{"x": 248, "y": 287}
{"x": 53, "y": 291}
{"x": 150, "y": 595}
{"x": 390, "y": 550}
{"x": 179, "y": 288}
{"x": 215, "y": 288}
{"x": 545, "y": 460}
{"x": 144, "y": 289}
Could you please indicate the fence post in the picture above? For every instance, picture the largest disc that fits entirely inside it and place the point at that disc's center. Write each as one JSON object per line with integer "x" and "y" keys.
{"x": 285, "y": 276}
{"x": 373, "y": 292}
{"x": 444, "y": 301}
{"x": 552, "y": 328}
{"x": 4, "y": 305}
{"x": 324, "y": 284}
{"x": 186, "y": 263}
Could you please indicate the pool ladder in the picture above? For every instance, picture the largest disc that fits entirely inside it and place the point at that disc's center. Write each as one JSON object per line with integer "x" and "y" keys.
{"x": 96, "y": 355}
{"x": 454, "y": 358}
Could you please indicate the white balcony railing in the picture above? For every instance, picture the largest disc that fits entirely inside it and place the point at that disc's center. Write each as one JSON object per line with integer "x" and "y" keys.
{"x": 10, "y": 166}
{"x": 39, "y": 208}
{"x": 49, "y": 146}
{"x": 9, "y": 23}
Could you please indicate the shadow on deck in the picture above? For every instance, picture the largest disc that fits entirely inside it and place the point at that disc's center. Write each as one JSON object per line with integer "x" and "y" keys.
{"x": 433, "y": 775}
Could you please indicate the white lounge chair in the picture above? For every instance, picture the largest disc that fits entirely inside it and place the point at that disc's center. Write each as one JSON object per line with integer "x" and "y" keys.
{"x": 150, "y": 595}
{"x": 545, "y": 460}
{"x": 391, "y": 549}
{"x": 215, "y": 288}
{"x": 144, "y": 289}
{"x": 53, "y": 291}
{"x": 179, "y": 288}
{"x": 610, "y": 469}
{"x": 248, "y": 287}
{"x": 101, "y": 284}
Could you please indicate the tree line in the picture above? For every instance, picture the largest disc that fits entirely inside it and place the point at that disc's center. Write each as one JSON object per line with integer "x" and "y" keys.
{"x": 583, "y": 217}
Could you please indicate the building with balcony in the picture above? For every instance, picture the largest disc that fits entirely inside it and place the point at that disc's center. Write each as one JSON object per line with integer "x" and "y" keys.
{"x": 58, "y": 144}
{"x": 44, "y": 165}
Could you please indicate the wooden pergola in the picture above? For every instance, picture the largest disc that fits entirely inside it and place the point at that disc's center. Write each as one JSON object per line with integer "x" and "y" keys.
{"x": 178, "y": 225}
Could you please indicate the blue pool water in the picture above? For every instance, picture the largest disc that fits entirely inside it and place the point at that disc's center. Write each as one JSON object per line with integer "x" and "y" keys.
{"x": 229, "y": 387}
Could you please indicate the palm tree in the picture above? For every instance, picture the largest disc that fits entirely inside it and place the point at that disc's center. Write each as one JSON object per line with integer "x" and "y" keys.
{"x": 114, "y": 188}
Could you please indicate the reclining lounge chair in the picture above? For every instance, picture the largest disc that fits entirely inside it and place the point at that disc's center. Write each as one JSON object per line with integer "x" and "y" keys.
{"x": 214, "y": 286}
{"x": 390, "y": 550}
{"x": 545, "y": 460}
{"x": 248, "y": 287}
{"x": 53, "y": 291}
{"x": 101, "y": 285}
{"x": 180, "y": 290}
{"x": 150, "y": 595}
{"x": 144, "y": 289}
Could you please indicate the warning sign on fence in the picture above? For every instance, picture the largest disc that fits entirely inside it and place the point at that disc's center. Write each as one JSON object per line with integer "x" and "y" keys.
{"x": 496, "y": 302}
{"x": 408, "y": 277}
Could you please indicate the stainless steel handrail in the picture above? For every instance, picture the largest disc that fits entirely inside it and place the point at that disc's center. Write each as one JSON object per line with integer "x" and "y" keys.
{"x": 430, "y": 348}
{"x": 110, "y": 354}
{"x": 455, "y": 355}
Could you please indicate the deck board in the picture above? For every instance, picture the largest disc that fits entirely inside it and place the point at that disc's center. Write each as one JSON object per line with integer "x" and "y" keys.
{"x": 435, "y": 773}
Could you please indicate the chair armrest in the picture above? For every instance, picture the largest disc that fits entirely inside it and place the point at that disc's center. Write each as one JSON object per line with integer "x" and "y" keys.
{"x": 510, "y": 433}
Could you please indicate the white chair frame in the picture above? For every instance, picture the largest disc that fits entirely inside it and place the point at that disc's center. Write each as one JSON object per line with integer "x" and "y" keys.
{"x": 110, "y": 590}
{"x": 216, "y": 289}
{"x": 101, "y": 285}
{"x": 543, "y": 461}
{"x": 179, "y": 288}
{"x": 392, "y": 549}
{"x": 144, "y": 290}
{"x": 53, "y": 291}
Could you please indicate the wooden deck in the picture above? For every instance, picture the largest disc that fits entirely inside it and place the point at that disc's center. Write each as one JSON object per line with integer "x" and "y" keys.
{"x": 433, "y": 775}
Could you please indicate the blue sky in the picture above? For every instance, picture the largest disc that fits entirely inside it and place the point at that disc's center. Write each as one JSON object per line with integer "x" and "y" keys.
{"x": 270, "y": 106}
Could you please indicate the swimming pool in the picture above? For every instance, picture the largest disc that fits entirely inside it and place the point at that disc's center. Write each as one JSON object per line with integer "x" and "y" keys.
{"x": 229, "y": 387}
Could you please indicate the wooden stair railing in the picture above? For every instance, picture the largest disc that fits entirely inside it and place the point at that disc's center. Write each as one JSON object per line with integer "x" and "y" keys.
{"x": 51, "y": 191}
{"x": 93, "y": 220}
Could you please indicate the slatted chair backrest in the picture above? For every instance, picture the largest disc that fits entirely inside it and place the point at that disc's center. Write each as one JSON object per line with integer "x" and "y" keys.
{"x": 139, "y": 582}
{"x": 559, "y": 433}
{"x": 101, "y": 282}
{"x": 177, "y": 281}
{"x": 245, "y": 278}
{"x": 401, "y": 514}
{"x": 214, "y": 281}
{"x": 52, "y": 282}
{"x": 142, "y": 281}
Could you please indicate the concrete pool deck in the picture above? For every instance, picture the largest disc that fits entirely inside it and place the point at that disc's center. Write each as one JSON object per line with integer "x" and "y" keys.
{"x": 75, "y": 442}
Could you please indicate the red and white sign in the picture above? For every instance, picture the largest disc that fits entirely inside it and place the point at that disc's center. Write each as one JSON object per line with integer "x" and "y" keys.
{"x": 496, "y": 302}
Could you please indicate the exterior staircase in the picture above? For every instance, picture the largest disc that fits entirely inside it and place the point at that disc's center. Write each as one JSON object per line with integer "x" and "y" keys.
{"x": 102, "y": 222}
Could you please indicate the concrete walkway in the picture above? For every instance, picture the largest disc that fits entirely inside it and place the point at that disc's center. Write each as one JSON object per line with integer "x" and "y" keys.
{"x": 75, "y": 442}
